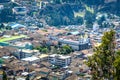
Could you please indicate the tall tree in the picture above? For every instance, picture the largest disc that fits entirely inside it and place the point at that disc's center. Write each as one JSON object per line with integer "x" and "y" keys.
{"x": 117, "y": 66}
{"x": 101, "y": 63}
{"x": 4, "y": 76}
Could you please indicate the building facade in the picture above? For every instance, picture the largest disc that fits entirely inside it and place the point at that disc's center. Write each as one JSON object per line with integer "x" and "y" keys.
{"x": 81, "y": 44}
{"x": 60, "y": 60}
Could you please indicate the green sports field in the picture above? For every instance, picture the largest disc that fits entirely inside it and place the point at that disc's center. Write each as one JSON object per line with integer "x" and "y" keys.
{"x": 4, "y": 39}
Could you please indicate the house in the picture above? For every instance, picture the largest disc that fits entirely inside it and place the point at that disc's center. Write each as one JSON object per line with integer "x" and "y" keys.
{"x": 15, "y": 26}
{"x": 60, "y": 60}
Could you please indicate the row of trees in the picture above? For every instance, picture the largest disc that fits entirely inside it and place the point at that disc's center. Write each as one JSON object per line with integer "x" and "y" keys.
{"x": 43, "y": 49}
{"x": 66, "y": 49}
{"x": 105, "y": 63}
{"x": 55, "y": 49}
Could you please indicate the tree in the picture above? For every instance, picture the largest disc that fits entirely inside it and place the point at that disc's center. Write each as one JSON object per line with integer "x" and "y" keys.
{"x": 44, "y": 50}
{"x": 38, "y": 48}
{"x": 101, "y": 63}
{"x": 65, "y": 50}
{"x": 4, "y": 76}
{"x": 117, "y": 66}
{"x": 28, "y": 77}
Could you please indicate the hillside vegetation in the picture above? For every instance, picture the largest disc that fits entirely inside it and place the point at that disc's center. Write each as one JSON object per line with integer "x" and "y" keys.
{"x": 72, "y": 12}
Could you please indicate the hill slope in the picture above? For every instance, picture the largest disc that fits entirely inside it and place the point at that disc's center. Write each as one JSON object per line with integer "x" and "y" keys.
{"x": 70, "y": 12}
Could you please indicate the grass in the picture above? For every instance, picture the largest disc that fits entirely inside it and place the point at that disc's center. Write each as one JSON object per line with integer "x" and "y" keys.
{"x": 11, "y": 38}
{"x": 79, "y": 14}
{"x": 91, "y": 10}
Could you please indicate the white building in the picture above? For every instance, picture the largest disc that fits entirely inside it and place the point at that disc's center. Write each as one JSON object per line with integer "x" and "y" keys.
{"x": 31, "y": 60}
{"x": 81, "y": 44}
{"x": 60, "y": 60}
{"x": 24, "y": 53}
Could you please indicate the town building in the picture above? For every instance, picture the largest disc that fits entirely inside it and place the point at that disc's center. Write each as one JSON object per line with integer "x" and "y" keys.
{"x": 31, "y": 60}
{"x": 24, "y": 53}
{"x": 15, "y": 26}
{"x": 60, "y": 60}
{"x": 43, "y": 57}
{"x": 77, "y": 45}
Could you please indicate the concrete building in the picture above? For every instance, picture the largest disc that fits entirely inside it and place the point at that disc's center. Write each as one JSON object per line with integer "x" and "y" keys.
{"x": 24, "y": 53}
{"x": 43, "y": 57}
{"x": 31, "y": 60}
{"x": 60, "y": 60}
{"x": 81, "y": 44}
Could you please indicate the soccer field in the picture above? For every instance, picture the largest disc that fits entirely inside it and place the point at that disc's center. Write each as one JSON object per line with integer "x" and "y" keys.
{"x": 5, "y": 39}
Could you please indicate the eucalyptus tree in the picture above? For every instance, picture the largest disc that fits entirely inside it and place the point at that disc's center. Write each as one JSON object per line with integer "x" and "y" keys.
{"x": 117, "y": 66}
{"x": 101, "y": 63}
